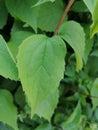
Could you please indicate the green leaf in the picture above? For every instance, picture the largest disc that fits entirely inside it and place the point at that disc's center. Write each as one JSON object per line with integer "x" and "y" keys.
{"x": 22, "y": 10}
{"x": 41, "y": 67}
{"x": 73, "y": 33}
{"x": 90, "y": 4}
{"x": 88, "y": 43}
{"x": 42, "y": 1}
{"x": 8, "y": 67}
{"x": 94, "y": 27}
{"x": 8, "y": 112}
{"x": 73, "y": 121}
{"x": 3, "y": 14}
{"x": 49, "y": 15}
{"x": 94, "y": 92}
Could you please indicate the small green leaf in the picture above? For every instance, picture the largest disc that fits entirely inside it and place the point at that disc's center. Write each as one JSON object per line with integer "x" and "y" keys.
{"x": 94, "y": 92}
{"x": 41, "y": 67}
{"x": 42, "y": 1}
{"x": 8, "y": 112}
{"x": 79, "y": 6}
{"x": 73, "y": 33}
{"x": 8, "y": 67}
{"x": 94, "y": 26}
{"x": 73, "y": 121}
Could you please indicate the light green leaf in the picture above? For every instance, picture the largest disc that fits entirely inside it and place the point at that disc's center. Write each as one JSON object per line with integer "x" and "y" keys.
{"x": 3, "y": 14}
{"x": 42, "y": 1}
{"x": 94, "y": 26}
{"x": 49, "y": 15}
{"x": 8, "y": 112}
{"x": 94, "y": 92}
{"x": 73, "y": 33}
{"x": 73, "y": 121}
{"x": 90, "y": 4}
{"x": 8, "y": 67}
{"x": 22, "y": 10}
{"x": 41, "y": 67}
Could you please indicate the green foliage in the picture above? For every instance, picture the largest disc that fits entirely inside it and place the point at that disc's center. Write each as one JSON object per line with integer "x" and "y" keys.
{"x": 73, "y": 122}
{"x": 94, "y": 92}
{"x": 8, "y": 112}
{"x": 48, "y": 81}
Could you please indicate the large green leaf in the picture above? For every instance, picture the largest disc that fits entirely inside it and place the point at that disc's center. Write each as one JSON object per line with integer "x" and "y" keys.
{"x": 94, "y": 92}
{"x": 73, "y": 33}
{"x": 23, "y": 10}
{"x": 41, "y": 66}
{"x": 3, "y": 14}
{"x": 43, "y": 1}
{"x": 90, "y": 4}
{"x": 8, "y": 67}
{"x": 94, "y": 27}
{"x": 73, "y": 122}
{"x": 8, "y": 112}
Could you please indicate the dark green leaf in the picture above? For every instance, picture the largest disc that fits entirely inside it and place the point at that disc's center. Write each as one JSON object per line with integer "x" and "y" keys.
{"x": 73, "y": 121}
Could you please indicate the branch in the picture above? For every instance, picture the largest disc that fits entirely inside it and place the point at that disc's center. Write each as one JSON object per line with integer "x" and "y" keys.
{"x": 63, "y": 16}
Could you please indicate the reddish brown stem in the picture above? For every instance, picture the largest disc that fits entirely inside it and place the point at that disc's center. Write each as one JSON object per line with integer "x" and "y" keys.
{"x": 63, "y": 16}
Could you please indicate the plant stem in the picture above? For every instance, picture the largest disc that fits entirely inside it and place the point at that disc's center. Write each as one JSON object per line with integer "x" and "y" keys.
{"x": 63, "y": 16}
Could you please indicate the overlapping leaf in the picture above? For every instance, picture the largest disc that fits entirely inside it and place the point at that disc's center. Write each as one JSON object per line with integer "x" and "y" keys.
{"x": 8, "y": 67}
{"x": 41, "y": 67}
{"x": 36, "y": 17}
{"x": 73, "y": 121}
{"x": 73, "y": 33}
{"x": 8, "y": 112}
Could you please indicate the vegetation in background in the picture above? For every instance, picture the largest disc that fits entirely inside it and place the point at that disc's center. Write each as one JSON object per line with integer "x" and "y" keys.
{"x": 48, "y": 65}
